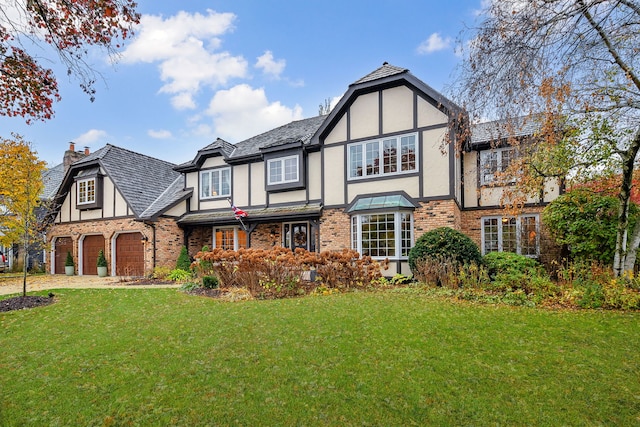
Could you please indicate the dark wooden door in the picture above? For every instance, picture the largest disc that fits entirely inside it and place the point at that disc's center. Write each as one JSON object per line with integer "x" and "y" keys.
{"x": 130, "y": 255}
{"x": 91, "y": 245}
{"x": 63, "y": 245}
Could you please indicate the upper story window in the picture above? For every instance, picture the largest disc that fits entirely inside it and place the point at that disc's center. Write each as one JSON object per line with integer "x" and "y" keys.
{"x": 493, "y": 162}
{"x": 215, "y": 183}
{"x": 283, "y": 170}
{"x": 86, "y": 191}
{"x": 386, "y": 156}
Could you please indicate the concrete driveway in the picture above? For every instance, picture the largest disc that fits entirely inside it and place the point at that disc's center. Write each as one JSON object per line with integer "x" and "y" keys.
{"x": 12, "y": 284}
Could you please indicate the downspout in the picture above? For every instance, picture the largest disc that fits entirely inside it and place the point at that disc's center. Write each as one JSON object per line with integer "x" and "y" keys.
{"x": 153, "y": 228}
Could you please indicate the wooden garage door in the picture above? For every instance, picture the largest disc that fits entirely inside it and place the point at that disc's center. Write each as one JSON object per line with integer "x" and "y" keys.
{"x": 63, "y": 245}
{"x": 91, "y": 245}
{"x": 129, "y": 255}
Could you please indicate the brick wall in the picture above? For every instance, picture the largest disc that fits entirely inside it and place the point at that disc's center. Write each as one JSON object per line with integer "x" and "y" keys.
{"x": 434, "y": 214}
{"x": 335, "y": 229}
{"x": 169, "y": 238}
{"x": 108, "y": 228}
{"x": 169, "y": 242}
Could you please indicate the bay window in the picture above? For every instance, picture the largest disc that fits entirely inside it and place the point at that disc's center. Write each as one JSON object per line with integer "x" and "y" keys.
{"x": 382, "y": 235}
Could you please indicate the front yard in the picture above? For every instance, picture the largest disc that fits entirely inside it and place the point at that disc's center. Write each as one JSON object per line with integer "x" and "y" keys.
{"x": 398, "y": 357}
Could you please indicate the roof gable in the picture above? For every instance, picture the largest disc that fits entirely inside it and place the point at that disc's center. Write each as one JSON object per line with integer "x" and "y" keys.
{"x": 139, "y": 178}
{"x": 383, "y": 77}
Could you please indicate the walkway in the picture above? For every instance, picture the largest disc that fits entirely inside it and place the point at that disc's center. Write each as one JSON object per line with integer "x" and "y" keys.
{"x": 10, "y": 283}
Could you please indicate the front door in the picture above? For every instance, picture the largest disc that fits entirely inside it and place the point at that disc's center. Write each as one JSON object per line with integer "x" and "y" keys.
{"x": 296, "y": 235}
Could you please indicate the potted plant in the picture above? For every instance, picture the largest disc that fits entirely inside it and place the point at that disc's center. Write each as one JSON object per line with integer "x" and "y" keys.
{"x": 69, "y": 266}
{"x": 102, "y": 264}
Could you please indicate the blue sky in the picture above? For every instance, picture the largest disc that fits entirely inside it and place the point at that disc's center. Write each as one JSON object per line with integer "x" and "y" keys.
{"x": 198, "y": 70}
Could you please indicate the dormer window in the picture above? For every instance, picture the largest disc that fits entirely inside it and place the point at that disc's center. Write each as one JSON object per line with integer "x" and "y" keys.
{"x": 283, "y": 170}
{"x": 87, "y": 191}
{"x": 215, "y": 183}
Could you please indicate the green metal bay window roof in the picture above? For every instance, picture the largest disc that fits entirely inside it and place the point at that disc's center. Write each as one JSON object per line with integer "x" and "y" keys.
{"x": 394, "y": 201}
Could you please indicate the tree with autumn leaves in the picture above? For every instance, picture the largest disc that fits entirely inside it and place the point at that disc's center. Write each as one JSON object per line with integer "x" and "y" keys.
{"x": 69, "y": 28}
{"x": 21, "y": 187}
{"x": 572, "y": 66}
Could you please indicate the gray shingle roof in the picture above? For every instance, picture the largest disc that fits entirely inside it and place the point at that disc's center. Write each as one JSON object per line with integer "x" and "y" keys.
{"x": 52, "y": 179}
{"x": 297, "y": 131}
{"x": 386, "y": 70}
{"x": 173, "y": 194}
{"x": 498, "y": 130}
{"x": 142, "y": 180}
{"x": 220, "y": 144}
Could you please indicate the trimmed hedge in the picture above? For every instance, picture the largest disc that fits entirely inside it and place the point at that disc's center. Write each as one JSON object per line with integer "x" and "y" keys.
{"x": 444, "y": 242}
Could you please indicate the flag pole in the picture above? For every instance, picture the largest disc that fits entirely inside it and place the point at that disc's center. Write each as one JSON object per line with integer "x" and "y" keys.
{"x": 238, "y": 217}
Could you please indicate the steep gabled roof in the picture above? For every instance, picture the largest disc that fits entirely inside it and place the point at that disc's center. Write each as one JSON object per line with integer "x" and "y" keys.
{"x": 385, "y": 71}
{"x": 386, "y": 76}
{"x": 141, "y": 179}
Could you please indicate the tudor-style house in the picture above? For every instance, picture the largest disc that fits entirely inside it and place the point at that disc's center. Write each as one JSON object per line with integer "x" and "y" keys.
{"x": 385, "y": 166}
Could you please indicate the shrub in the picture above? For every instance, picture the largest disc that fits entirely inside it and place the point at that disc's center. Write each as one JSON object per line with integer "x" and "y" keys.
{"x": 444, "y": 243}
{"x": 160, "y": 272}
{"x": 209, "y": 282}
{"x": 102, "y": 261}
{"x": 510, "y": 272}
{"x": 184, "y": 262}
{"x": 278, "y": 272}
{"x": 68, "y": 262}
{"x": 508, "y": 262}
{"x": 179, "y": 275}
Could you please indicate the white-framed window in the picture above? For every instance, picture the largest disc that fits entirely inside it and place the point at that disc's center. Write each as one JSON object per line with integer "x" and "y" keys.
{"x": 493, "y": 162}
{"x": 283, "y": 170}
{"x": 382, "y": 235}
{"x": 215, "y": 183}
{"x": 86, "y": 191}
{"x": 229, "y": 238}
{"x": 519, "y": 234}
{"x": 387, "y": 156}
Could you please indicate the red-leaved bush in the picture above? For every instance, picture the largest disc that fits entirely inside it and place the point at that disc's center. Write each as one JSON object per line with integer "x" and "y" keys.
{"x": 280, "y": 272}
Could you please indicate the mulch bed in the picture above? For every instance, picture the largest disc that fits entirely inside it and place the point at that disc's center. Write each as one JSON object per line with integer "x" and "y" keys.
{"x": 21, "y": 302}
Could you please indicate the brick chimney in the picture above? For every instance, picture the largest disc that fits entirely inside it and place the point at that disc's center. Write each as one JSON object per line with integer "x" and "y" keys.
{"x": 71, "y": 155}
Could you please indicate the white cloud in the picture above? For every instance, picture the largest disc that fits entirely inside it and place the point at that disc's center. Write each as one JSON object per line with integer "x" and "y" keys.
{"x": 241, "y": 112}
{"x": 183, "y": 101}
{"x": 91, "y": 137}
{"x": 186, "y": 46}
{"x": 159, "y": 134}
{"x": 434, "y": 43}
{"x": 270, "y": 66}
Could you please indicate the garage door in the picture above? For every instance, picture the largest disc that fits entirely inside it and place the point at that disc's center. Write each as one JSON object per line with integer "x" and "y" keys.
{"x": 91, "y": 245}
{"x": 129, "y": 255}
{"x": 63, "y": 245}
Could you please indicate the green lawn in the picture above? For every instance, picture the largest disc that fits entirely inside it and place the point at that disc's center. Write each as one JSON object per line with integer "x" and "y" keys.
{"x": 161, "y": 357}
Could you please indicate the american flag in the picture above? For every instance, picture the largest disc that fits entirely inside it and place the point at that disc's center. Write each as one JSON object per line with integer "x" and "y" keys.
{"x": 239, "y": 213}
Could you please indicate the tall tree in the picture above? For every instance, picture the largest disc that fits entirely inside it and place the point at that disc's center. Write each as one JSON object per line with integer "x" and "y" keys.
{"x": 573, "y": 64}
{"x": 20, "y": 190}
{"x": 28, "y": 89}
